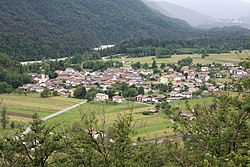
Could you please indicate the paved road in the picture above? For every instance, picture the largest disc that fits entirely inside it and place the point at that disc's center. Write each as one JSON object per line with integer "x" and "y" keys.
{"x": 56, "y": 114}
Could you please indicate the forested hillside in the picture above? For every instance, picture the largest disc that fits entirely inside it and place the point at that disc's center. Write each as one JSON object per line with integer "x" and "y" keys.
{"x": 12, "y": 74}
{"x": 31, "y": 30}
{"x": 53, "y": 28}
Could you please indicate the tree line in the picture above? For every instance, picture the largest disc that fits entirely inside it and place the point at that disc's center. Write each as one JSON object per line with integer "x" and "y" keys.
{"x": 161, "y": 48}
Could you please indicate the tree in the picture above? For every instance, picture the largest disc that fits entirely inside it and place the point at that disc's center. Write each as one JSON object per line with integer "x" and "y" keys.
{"x": 5, "y": 87}
{"x": 4, "y": 118}
{"x": 197, "y": 93}
{"x": 186, "y": 75}
{"x": 39, "y": 147}
{"x": 55, "y": 93}
{"x": 163, "y": 65}
{"x": 203, "y": 87}
{"x": 185, "y": 62}
{"x": 136, "y": 66}
{"x": 204, "y": 55}
{"x": 80, "y": 92}
{"x": 131, "y": 92}
{"x": 90, "y": 95}
{"x": 216, "y": 135}
{"x": 110, "y": 92}
{"x": 141, "y": 90}
{"x": 165, "y": 107}
{"x": 45, "y": 93}
{"x": 93, "y": 143}
{"x": 12, "y": 125}
{"x": 145, "y": 66}
{"x": 154, "y": 65}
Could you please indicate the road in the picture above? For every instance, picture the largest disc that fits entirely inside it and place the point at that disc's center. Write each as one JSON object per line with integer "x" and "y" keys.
{"x": 40, "y": 61}
{"x": 56, "y": 114}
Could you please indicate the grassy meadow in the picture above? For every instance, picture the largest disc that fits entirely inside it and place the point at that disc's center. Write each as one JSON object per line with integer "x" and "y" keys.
{"x": 217, "y": 58}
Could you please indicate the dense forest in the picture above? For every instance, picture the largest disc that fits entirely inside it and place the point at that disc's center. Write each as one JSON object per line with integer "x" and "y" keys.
{"x": 50, "y": 29}
{"x": 156, "y": 47}
{"x": 12, "y": 74}
{"x": 33, "y": 30}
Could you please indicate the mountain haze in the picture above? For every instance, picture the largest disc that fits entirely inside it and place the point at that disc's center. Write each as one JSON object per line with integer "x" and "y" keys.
{"x": 245, "y": 19}
{"x": 176, "y": 11}
{"x": 222, "y": 9}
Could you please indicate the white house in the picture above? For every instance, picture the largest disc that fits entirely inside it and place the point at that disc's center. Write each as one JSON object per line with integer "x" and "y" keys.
{"x": 101, "y": 97}
{"x": 204, "y": 69}
{"x": 118, "y": 99}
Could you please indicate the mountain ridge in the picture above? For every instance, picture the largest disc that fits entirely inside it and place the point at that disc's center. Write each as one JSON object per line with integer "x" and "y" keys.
{"x": 68, "y": 27}
{"x": 31, "y": 30}
{"x": 177, "y": 11}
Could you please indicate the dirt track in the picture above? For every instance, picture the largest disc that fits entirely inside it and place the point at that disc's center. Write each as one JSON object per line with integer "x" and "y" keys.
{"x": 19, "y": 115}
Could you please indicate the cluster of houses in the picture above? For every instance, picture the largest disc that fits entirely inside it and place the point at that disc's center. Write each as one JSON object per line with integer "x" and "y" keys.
{"x": 184, "y": 83}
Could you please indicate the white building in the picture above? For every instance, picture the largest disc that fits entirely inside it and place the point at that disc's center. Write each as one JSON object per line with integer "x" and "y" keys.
{"x": 101, "y": 97}
{"x": 118, "y": 99}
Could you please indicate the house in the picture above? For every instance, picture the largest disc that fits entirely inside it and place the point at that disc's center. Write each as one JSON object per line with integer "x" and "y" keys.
{"x": 164, "y": 79}
{"x": 70, "y": 70}
{"x": 169, "y": 69}
{"x": 41, "y": 78}
{"x": 118, "y": 99}
{"x": 189, "y": 116}
{"x": 145, "y": 99}
{"x": 204, "y": 69}
{"x": 146, "y": 72}
{"x": 175, "y": 95}
{"x": 179, "y": 78}
{"x": 212, "y": 89}
{"x": 101, "y": 97}
{"x": 229, "y": 65}
{"x": 185, "y": 69}
{"x": 153, "y": 111}
{"x": 187, "y": 95}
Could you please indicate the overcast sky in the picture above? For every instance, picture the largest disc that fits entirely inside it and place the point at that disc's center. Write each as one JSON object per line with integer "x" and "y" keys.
{"x": 216, "y": 8}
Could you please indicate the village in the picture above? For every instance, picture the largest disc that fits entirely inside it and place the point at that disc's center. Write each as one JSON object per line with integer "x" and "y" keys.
{"x": 167, "y": 84}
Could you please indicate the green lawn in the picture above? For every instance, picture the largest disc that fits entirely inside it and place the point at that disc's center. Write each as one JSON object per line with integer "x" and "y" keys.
{"x": 217, "y": 58}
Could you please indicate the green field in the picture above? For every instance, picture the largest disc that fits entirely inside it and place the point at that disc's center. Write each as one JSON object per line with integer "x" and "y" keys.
{"x": 217, "y": 58}
{"x": 151, "y": 126}
{"x": 145, "y": 126}
{"x": 33, "y": 103}
{"x": 182, "y": 104}
{"x": 30, "y": 104}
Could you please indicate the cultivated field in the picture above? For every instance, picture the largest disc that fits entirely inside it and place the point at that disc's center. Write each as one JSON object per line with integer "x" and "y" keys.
{"x": 33, "y": 103}
{"x": 150, "y": 126}
{"x": 232, "y": 57}
{"x": 146, "y": 126}
{"x": 21, "y": 108}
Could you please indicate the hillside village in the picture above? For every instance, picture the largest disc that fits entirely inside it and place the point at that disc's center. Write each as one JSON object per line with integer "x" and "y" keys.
{"x": 167, "y": 83}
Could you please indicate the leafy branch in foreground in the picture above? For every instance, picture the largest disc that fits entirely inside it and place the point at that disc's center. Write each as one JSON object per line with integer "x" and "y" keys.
{"x": 217, "y": 135}
{"x": 35, "y": 148}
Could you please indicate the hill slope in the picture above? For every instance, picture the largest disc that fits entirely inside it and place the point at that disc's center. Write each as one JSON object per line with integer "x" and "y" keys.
{"x": 54, "y": 28}
{"x": 172, "y": 10}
